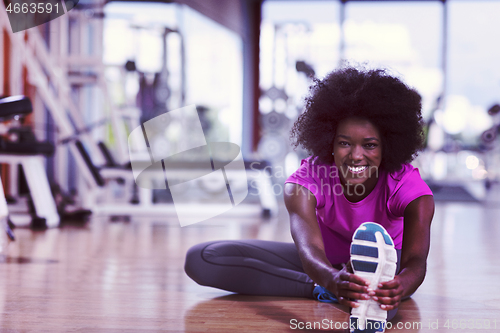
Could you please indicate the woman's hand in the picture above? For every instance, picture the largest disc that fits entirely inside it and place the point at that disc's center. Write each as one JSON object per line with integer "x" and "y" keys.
{"x": 389, "y": 294}
{"x": 349, "y": 287}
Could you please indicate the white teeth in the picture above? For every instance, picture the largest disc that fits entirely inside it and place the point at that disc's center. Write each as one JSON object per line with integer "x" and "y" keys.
{"x": 357, "y": 169}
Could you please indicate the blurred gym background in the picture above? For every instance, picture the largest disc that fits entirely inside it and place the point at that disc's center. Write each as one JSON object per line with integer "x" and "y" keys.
{"x": 93, "y": 75}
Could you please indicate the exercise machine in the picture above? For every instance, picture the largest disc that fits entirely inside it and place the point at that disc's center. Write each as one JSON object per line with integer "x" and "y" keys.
{"x": 19, "y": 147}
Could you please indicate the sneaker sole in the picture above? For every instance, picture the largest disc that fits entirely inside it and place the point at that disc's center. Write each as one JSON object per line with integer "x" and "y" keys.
{"x": 373, "y": 258}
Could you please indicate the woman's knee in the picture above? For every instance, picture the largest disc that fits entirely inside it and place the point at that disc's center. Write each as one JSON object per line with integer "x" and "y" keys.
{"x": 201, "y": 259}
{"x": 193, "y": 265}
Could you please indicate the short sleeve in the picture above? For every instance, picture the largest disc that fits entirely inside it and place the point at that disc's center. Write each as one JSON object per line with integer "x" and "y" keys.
{"x": 410, "y": 187}
{"x": 311, "y": 176}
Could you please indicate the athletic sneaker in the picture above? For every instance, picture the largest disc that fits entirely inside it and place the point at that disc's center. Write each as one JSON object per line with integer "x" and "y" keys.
{"x": 323, "y": 295}
{"x": 373, "y": 258}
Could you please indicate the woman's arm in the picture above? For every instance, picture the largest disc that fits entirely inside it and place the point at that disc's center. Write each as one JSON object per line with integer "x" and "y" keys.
{"x": 301, "y": 205}
{"x": 416, "y": 242}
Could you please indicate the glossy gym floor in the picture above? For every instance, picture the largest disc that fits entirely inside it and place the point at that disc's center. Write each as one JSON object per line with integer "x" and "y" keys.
{"x": 128, "y": 277}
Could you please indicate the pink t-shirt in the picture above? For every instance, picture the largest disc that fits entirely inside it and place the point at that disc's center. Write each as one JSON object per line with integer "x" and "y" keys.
{"x": 338, "y": 218}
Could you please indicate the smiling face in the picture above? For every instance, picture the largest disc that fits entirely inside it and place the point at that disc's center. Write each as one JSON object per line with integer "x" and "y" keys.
{"x": 358, "y": 152}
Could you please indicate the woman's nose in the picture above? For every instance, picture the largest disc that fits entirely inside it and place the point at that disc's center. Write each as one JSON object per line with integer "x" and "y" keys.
{"x": 356, "y": 153}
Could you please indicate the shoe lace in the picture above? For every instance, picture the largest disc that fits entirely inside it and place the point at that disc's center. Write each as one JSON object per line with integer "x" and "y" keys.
{"x": 323, "y": 295}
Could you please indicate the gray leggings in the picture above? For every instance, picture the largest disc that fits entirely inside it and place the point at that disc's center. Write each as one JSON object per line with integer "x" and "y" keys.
{"x": 252, "y": 267}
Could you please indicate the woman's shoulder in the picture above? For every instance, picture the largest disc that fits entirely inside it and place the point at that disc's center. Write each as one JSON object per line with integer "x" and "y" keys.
{"x": 313, "y": 175}
{"x": 407, "y": 176}
{"x": 405, "y": 185}
{"x": 405, "y": 171}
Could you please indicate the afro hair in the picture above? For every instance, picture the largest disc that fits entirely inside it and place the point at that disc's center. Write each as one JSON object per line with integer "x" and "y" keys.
{"x": 384, "y": 100}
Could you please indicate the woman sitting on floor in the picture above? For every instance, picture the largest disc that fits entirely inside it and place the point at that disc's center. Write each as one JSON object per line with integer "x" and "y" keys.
{"x": 362, "y": 129}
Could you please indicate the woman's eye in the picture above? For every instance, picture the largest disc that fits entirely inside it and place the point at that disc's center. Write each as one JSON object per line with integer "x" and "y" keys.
{"x": 371, "y": 145}
{"x": 343, "y": 143}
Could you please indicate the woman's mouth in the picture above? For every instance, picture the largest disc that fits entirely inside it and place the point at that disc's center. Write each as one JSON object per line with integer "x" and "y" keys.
{"x": 357, "y": 169}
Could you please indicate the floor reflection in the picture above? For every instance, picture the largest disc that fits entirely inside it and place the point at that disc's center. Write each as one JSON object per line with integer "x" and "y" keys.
{"x": 259, "y": 313}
